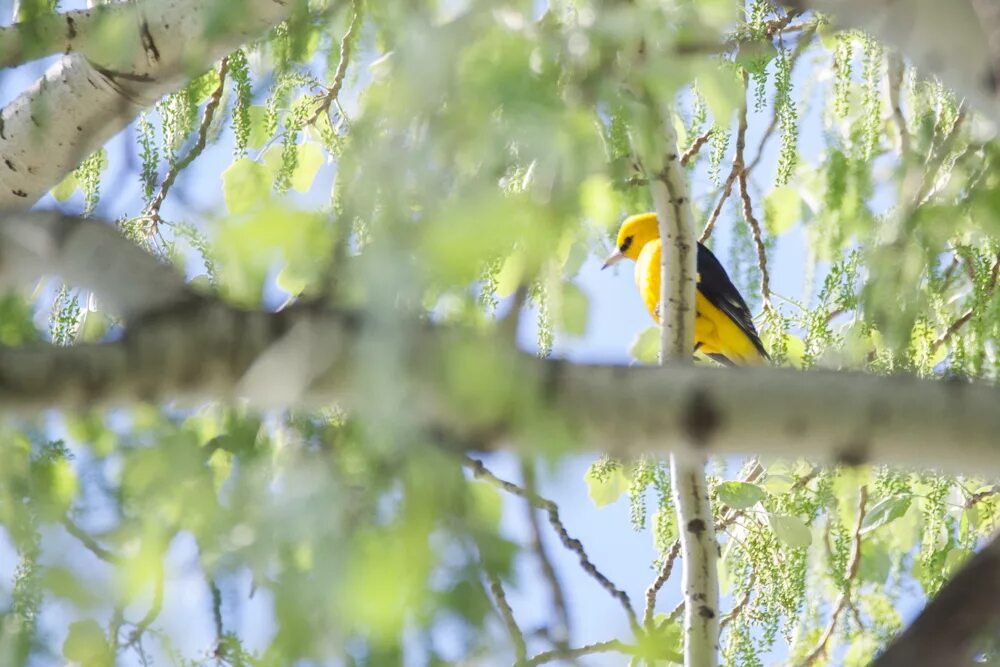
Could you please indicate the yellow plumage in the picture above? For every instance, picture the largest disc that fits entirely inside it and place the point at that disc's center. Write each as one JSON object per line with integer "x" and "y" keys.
{"x": 723, "y": 326}
{"x": 714, "y": 331}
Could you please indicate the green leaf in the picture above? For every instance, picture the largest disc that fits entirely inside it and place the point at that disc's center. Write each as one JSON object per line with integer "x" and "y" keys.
{"x": 791, "y": 530}
{"x": 740, "y": 495}
{"x": 67, "y": 186}
{"x": 258, "y": 127}
{"x": 722, "y": 89}
{"x": 781, "y": 209}
{"x": 244, "y": 184}
{"x": 778, "y": 484}
{"x": 885, "y": 511}
{"x": 310, "y": 159}
{"x": 875, "y": 562}
{"x": 599, "y": 201}
{"x": 646, "y": 346}
{"x": 607, "y": 486}
{"x": 573, "y": 310}
{"x": 86, "y": 644}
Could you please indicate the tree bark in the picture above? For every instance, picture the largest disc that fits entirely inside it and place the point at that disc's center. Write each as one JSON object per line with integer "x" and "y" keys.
{"x": 948, "y": 629}
{"x": 89, "y": 96}
{"x": 678, "y": 270}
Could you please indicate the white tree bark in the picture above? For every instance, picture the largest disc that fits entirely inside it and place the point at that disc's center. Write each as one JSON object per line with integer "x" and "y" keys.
{"x": 678, "y": 269}
{"x": 95, "y": 92}
{"x": 956, "y": 40}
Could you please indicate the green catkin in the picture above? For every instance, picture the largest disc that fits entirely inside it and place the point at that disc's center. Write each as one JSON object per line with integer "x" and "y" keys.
{"x": 149, "y": 154}
{"x": 719, "y": 142}
{"x": 788, "y": 118}
{"x": 239, "y": 73}
{"x": 843, "y": 56}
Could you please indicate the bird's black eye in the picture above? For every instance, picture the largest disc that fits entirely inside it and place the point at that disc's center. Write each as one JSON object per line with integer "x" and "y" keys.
{"x": 626, "y": 244}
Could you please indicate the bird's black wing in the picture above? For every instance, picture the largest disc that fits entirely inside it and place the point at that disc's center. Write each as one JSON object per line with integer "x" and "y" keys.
{"x": 715, "y": 285}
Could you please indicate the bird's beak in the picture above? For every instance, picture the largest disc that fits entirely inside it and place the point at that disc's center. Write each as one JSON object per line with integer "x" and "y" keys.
{"x": 616, "y": 257}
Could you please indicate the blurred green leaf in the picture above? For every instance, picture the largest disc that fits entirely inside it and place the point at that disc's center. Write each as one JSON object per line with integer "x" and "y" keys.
{"x": 885, "y": 511}
{"x": 790, "y": 529}
{"x": 740, "y": 495}
{"x": 607, "y": 486}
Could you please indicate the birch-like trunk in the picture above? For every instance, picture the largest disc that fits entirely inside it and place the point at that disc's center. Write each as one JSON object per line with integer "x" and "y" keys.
{"x": 678, "y": 269}
{"x": 95, "y": 91}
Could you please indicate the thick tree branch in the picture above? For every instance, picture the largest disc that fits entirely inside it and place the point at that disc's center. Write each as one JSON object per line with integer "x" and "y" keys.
{"x": 962, "y": 613}
{"x": 192, "y": 349}
{"x": 86, "y": 98}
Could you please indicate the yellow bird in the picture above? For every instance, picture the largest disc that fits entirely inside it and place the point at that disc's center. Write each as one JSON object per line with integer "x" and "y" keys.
{"x": 723, "y": 326}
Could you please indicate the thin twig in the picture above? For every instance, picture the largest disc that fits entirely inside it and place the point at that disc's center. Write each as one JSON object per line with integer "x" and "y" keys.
{"x": 661, "y": 578}
{"x": 967, "y": 315}
{"x": 480, "y": 471}
{"x": 695, "y": 147}
{"x": 896, "y": 71}
{"x": 845, "y": 596}
{"x": 153, "y": 210}
{"x": 936, "y": 157}
{"x": 765, "y": 280}
{"x": 329, "y": 95}
{"x": 727, "y": 190}
{"x": 808, "y": 31}
{"x": 548, "y": 571}
{"x": 613, "y": 646}
{"x": 741, "y": 605}
{"x": 90, "y": 543}
{"x": 507, "y": 614}
{"x": 154, "y": 609}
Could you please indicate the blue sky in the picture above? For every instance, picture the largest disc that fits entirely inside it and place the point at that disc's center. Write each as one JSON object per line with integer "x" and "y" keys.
{"x": 616, "y": 315}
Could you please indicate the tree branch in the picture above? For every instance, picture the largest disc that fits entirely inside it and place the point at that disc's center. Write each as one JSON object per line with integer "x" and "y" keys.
{"x": 613, "y": 646}
{"x": 192, "y": 349}
{"x": 153, "y": 211}
{"x": 162, "y": 42}
{"x": 967, "y": 609}
{"x": 480, "y": 471}
{"x": 507, "y": 615}
{"x": 678, "y": 268}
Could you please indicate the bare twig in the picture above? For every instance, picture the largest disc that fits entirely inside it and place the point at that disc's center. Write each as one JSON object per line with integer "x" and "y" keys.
{"x": 661, "y": 578}
{"x": 765, "y": 280}
{"x": 480, "y": 471}
{"x": 329, "y": 95}
{"x": 695, "y": 147}
{"x": 896, "y": 71}
{"x": 153, "y": 210}
{"x": 727, "y": 190}
{"x": 548, "y": 571}
{"x": 613, "y": 646}
{"x": 90, "y": 543}
{"x": 507, "y": 614}
{"x": 741, "y": 605}
{"x": 962, "y": 319}
{"x": 844, "y": 601}
{"x": 154, "y": 610}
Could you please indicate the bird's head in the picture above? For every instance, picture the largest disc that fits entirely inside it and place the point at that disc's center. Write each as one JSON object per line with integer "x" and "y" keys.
{"x": 635, "y": 232}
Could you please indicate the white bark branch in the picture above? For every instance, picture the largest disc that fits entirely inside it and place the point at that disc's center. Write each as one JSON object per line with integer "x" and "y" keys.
{"x": 202, "y": 350}
{"x": 89, "y": 96}
{"x": 129, "y": 281}
{"x": 678, "y": 268}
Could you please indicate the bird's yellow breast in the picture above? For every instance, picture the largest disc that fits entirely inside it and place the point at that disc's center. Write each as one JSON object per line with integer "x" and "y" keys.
{"x": 714, "y": 331}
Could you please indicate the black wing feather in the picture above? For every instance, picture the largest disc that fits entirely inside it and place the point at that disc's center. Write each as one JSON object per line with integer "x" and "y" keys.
{"x": 716, "y": 286}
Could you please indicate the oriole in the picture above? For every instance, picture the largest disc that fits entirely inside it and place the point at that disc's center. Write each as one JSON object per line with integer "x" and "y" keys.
{"x": 723, "y": 326}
